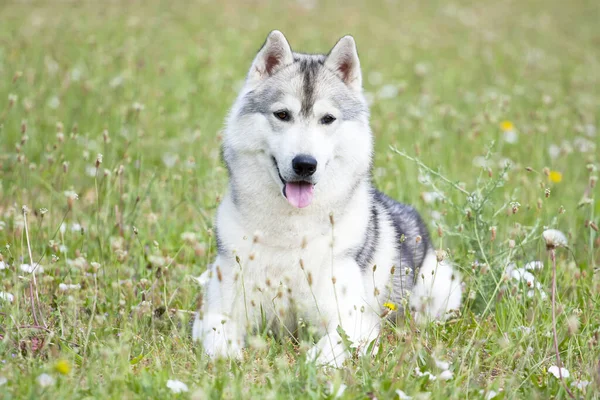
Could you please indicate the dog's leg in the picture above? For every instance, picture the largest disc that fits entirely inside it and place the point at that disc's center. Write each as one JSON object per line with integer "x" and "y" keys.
{"x": 437, "y": 290}
{"x": 219, "y": 328}
{"x": 343, "y": 303}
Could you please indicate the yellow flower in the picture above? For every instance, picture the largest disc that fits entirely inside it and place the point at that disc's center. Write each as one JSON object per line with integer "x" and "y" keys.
{"x": 507, "y": 126}
{"x": 555, "y": 176}
{"x": 62, "y": 367}
{"x": 390, "y": 306}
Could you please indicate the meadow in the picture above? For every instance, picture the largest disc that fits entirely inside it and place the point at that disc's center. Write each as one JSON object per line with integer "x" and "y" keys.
{"x": 486, "y": 118}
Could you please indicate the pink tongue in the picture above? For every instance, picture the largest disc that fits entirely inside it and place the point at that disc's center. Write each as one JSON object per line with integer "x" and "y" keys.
{"x": 299, "y": 194}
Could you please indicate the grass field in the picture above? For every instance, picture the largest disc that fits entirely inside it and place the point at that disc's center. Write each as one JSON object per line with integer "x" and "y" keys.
{"x": 461, "y": 90}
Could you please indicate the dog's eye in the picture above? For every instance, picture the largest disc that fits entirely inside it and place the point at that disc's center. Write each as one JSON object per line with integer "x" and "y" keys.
{"x": 282, "y": 115}
{"x": 328, "y": 119}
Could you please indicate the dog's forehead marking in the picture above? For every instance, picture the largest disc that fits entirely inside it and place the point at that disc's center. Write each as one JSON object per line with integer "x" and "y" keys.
{"x": 307, "y": 80}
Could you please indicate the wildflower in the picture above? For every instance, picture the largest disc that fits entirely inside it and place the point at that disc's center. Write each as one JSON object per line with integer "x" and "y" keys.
{"x": 3, "y": 381}
{"x": 62, "y": 367}
{"x": 554, "y": 151}
{"x": 7, "y": 297}
{"x": 38, "y": 269}
{"x": 554, "y": 370}
{"x": 443, "y": 365}
{"x": 431, "y": 197}
{"x": 388, "y": 92}
{"x": 137, "y": 107}
{"x": 390, "y": 306}
{"x": 555, "y": 176}
{"x": 2, "y": 265}
{"x": 446, "y": 375}
{"x": 54, "y": 102}
{"x": 533, "y": 265}
{"x": 338, "y": 393}
{"x": 169, "y": 159}
{"x": 579, "y": 384}
{"x": 402, "y": 395}
{"x": 554, "y": 238}
{"x": 45, "y": 380}
{"x": 177, "y": 386}
{"x": 428, "y": 374}
{"x": 507, "y": 126}
{"x": 63, "y": 287}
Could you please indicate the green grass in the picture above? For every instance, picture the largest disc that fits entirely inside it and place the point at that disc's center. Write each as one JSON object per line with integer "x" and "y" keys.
{"x": 159, "y": 78}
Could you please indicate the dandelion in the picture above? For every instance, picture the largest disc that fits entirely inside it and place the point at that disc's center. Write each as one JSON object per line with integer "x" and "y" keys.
{"x": 7, "y": 297}
{"x": 62, "y": 367}
{"x": 507, "y": 126}
{"x": 555, "y": 176}
{"x": 390, "y": 306}
{"x": 45, "y": 380}
{"x": 554, "y": 370}
{"x": 554, "y": 238}
{"x": 177, "y": 386}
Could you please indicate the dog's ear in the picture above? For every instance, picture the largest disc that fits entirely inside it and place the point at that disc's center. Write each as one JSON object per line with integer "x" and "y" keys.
{"x": 343, "y": 60}
{"x": 274, "y": 55}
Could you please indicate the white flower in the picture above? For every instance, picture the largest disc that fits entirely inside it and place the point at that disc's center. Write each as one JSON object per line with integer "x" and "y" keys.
{"x": 116, "y": 81}
{"x": 90, "y": 170}
{"x": 169, "y": 159}
{"x": 388, "y": 92}
{"x": 45, "y": 380}
{"x": 189, "y": 237}
{"x": 446, "y": 375}
{"x": 554, "y": 238}
{"x": 554, "y": 371}
{"x": 75, "y": 227}
{"x": 490, "y": 395}
{"x": 3, "y": 380}
{"x": 554, "y": 151}
{"x": 177, "y": 386}
{"x": 533, "y": 265}
{"x": 520, "y": 274}
{"x": 481, "y": 162}
{"x": 339, "y": 392}
{"x": 580, "y": 384}
{"x": 137, "y": 106}
{"x": 426, "y": 373}
{"x": 2, "y": 265}
{"x": 63, "y": 287}
{"x": 30, "y": 269}
{"x": 54, "y": 102}
{"x": 443, "y": 365}
{"x": 402, "y": 395}
{"x": 7, "y": 297}
{"x": 511, "y": 136}
{"x": 431, "y": 197}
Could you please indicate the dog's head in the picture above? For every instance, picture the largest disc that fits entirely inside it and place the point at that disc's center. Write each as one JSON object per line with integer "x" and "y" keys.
{"x": 301, "y": 124}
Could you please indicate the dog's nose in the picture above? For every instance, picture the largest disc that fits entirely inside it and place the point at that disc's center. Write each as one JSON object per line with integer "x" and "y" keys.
{"x": 304, "y": 165}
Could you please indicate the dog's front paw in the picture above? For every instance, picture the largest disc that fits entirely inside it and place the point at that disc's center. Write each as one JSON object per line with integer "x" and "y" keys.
{"x": 329, "y": 351}
{"x": 218, "y": 335}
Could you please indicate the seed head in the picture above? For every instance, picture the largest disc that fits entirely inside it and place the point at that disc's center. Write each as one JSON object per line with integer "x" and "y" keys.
{"x": 554, "y": 238}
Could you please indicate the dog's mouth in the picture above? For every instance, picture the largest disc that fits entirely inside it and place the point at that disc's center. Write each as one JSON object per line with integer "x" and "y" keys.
{"x": 298, "y": 193}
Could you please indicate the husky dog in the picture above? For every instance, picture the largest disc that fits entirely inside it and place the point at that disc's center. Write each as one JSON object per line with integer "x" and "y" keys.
{"x": 302, "y": 233}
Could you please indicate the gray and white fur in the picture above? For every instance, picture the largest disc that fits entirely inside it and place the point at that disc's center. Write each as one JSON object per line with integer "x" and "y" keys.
{"x": 302, "y": 233}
